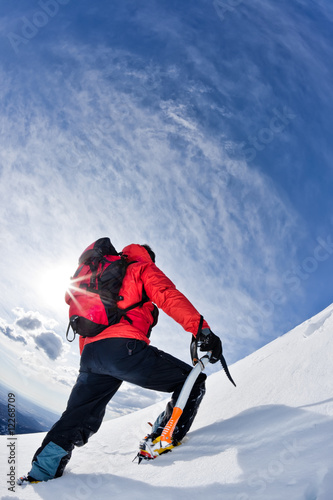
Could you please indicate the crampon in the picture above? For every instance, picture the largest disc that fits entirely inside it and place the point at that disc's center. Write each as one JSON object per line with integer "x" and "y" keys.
{"x": 152, "y": 447}
{"x": 23, "y": 480}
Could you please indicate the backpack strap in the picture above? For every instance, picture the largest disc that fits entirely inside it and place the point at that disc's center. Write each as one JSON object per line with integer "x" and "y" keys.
{"x": 145, "y": 298}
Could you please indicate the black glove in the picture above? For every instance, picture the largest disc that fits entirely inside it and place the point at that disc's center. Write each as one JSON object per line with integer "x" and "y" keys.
{"x": 208, "y": 341}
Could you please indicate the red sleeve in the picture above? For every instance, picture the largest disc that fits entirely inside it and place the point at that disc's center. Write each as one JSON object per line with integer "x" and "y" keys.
{"x": 165, "y": 295}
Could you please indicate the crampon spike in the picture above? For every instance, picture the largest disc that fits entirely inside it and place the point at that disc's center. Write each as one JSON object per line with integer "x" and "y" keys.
{"x": 138, "y": 458}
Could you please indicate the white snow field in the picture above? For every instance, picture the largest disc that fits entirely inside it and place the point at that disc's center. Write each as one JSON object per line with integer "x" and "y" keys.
{"x": 270, "y": 438}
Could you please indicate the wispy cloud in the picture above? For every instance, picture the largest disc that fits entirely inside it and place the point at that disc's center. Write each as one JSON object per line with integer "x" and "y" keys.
{"x": 78, "y": 164}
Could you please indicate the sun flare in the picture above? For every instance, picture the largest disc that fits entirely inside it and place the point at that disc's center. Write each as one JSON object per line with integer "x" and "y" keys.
{"x": 54, "y": 282}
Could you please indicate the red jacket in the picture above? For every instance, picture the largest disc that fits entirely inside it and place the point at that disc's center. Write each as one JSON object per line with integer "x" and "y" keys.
{"x": 160, "y": 290}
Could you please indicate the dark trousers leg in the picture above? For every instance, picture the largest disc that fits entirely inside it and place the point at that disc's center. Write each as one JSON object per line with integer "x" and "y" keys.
{"x": 82, "y": 418}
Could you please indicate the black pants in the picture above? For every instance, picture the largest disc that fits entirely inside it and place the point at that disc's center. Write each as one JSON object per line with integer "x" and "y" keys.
{"x": 105, "y": 364}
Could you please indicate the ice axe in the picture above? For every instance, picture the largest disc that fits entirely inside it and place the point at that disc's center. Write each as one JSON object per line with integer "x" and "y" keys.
{"x": 199, "y": 366}
{"x": 166, "y": 435}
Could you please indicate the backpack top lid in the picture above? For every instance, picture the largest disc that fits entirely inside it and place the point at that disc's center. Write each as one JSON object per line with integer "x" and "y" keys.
{"x": 102, "y": 246}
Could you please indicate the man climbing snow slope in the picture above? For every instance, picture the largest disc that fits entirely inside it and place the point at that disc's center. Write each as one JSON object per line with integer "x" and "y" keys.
{"x": 122, "y": 352}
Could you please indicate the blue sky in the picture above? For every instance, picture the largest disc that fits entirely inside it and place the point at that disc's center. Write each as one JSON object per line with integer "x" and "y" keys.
{"x": 200, "y": 127}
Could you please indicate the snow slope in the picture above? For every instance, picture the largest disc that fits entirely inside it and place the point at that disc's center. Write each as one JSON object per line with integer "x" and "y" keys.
{"x": 270, "y": 438}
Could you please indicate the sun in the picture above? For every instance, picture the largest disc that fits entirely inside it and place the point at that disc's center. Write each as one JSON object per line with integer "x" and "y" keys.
{"x": 53, "y": 283}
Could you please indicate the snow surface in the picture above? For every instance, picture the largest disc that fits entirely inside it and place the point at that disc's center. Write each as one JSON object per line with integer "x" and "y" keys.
{"x": 270, "y": 438}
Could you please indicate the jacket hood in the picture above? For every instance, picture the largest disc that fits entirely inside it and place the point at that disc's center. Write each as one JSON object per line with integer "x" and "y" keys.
{"x": 136, "y": 252}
